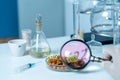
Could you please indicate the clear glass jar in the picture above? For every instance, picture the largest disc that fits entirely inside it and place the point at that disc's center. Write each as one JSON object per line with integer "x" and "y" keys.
{"x": 105, "y": 15}
{"x": 39, "y": 45}
{"x": 86, "y": 6}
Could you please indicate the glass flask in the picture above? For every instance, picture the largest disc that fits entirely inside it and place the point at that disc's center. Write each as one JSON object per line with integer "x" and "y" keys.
{"x": 39, "y": 45}
{"x": 105, "y": 19}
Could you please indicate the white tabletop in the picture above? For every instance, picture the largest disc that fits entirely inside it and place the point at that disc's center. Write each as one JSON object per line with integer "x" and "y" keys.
{"x": 8, "y": 63}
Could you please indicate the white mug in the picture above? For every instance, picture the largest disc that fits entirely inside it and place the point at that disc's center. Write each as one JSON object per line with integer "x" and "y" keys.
{"x": 17, "y": 47}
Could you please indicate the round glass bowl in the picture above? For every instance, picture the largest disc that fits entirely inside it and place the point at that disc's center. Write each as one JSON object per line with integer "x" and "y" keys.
{"x": 103, "y": 19}
{"x": 54, "y": 62}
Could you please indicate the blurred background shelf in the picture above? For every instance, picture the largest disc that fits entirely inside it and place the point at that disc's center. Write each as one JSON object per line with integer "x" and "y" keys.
{"x": 5, "y": 40}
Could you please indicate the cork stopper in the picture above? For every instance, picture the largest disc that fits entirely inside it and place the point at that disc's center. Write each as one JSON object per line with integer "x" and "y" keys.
{"x": 38, "y": 22}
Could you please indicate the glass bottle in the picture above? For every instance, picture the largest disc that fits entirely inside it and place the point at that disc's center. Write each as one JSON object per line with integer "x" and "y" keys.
{"x": 39, "y": 47}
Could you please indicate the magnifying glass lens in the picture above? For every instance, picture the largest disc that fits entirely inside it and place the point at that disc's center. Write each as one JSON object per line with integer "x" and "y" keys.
{"x": 75, "y": 54}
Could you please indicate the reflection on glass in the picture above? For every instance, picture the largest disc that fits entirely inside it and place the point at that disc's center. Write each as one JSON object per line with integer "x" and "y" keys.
{"x": 76, "y": 54}
{"x": 86, "y": 6}
{"x": 105, "y": 20}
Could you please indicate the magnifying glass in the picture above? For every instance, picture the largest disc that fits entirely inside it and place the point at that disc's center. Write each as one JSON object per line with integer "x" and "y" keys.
{"x": 76, "y": 54}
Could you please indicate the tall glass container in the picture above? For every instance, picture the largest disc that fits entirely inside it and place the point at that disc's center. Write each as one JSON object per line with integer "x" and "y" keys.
{"x": 116, "y": 30}
{"x": 78, "y": 33}
{"x": 39, "y": 47}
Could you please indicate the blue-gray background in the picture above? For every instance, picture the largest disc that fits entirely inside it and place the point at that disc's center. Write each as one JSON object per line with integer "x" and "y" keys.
{"x": 16, "y": 15}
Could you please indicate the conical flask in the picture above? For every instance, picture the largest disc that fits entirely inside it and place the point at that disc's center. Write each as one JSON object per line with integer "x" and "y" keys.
{"x": 39, "y": 45}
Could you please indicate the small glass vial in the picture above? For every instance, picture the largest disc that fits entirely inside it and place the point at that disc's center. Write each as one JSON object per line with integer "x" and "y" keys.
{"x": 26, "y": 34}
{"x": 39, "y": 45}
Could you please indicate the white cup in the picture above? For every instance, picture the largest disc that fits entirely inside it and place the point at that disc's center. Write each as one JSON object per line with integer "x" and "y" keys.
{"x": 17, "y": 47}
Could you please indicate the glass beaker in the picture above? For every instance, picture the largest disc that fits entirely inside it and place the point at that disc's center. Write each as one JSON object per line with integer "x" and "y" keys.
{"x": 76, "y": 22}
{"x": 105, "y": 23}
